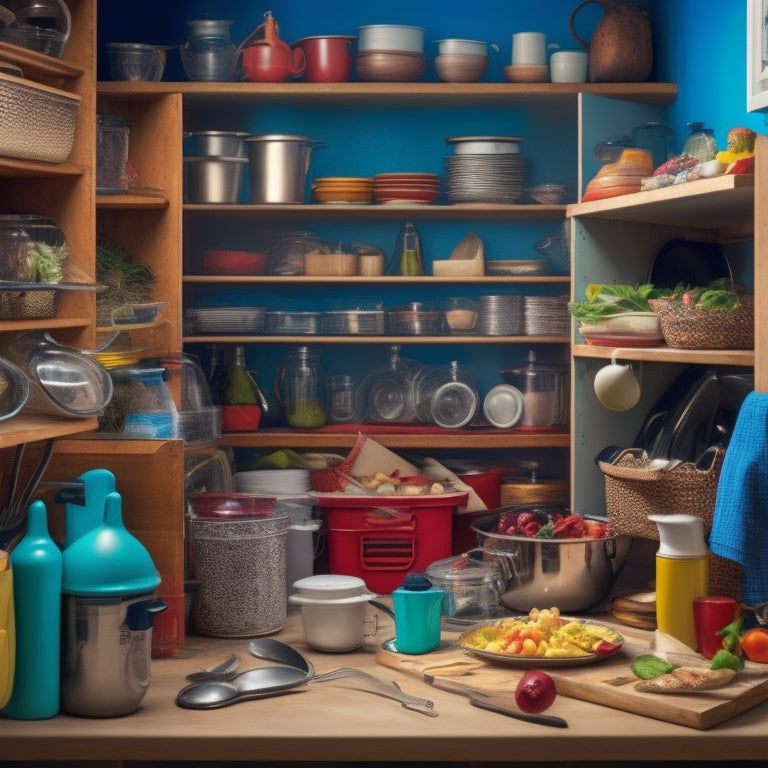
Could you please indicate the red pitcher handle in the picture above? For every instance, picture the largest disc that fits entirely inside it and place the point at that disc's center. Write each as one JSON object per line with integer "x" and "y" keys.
{"x": 299, "y": 62}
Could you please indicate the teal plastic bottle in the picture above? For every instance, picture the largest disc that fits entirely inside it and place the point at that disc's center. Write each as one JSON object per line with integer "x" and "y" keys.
{"x": 37, "y": 575}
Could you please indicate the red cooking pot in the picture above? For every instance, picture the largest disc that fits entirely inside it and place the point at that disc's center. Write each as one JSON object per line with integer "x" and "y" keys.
{"x": 329, "y": 59}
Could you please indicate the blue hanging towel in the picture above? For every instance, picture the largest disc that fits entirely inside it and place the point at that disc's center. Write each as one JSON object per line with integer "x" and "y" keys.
{"x": 740, "y": 524}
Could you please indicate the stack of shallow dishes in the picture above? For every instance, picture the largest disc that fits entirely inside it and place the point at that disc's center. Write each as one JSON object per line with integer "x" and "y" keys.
{"x": 406, "y": 188}
{"x": 225, "y": 320}
{"x": 343, "y": 189}
{"x": 485, "y": 169}
{"x": 355, "y": 322}
{"x": 276, "y": 321}
{"x": 273, "y": 482}
{"x": 501, "y": 316}
{"x": 547, "y": 316}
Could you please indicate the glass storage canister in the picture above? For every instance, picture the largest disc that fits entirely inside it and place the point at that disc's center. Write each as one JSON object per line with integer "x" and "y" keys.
{"x": 32, "y": 249}
{"x": 208, "y": 54}
{"x": 446, "y": 395}
{"x": 388, "y": 390}
{"x": 545, "y": 392}
{"x": 112, "y": 144}
{"x": 300, "y": 385}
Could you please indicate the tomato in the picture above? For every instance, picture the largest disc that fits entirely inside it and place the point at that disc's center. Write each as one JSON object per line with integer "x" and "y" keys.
{"x": 535, "y": 692}
{"x": 754, "y": 643}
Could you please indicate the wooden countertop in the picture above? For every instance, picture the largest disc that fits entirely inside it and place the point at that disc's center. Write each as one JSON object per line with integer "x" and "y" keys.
{"x": 331, "y": 723}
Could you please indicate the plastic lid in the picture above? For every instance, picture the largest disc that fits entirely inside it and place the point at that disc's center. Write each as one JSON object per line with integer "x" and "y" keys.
{"x": 416, "y": 582}
{"x": 680, "y": 536}
{"x": 503, "y": 406}
{"x": 463, "y": 570}
{"x": 108, "y": 560}
{"x": 331, "y": 587}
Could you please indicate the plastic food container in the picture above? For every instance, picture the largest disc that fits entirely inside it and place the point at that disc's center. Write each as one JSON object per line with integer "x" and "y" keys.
{"x": 334, "y": 611}
{"x": 30, "y": 246}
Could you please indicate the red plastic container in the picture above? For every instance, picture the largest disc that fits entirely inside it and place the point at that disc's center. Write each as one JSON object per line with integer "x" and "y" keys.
{"x": 382, "y": 539}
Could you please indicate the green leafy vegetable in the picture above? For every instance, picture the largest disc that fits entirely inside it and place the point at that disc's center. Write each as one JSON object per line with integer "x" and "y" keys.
{"x": 647, "y": 666}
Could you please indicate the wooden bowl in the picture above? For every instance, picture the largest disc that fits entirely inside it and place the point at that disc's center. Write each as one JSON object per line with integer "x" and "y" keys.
{"x": 460, "y": 67}
{"x": 390, "y": 66}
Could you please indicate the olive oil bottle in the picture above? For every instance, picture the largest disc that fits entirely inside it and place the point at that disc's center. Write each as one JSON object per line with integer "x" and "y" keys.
{"x": 240, "y": 397}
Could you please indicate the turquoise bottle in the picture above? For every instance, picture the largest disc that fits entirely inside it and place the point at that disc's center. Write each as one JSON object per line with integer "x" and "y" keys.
{"x": 37, "y": 575}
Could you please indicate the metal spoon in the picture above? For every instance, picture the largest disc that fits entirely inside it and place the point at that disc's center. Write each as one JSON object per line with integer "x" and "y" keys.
{"x": 251, "y": 684}
{"x": 224, "y": 671}
{"x": 269, "y": 649}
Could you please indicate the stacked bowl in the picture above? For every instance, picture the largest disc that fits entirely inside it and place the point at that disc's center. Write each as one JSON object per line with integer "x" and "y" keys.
{"x": 461, "y": 61}
{"x": 390, "y": 53}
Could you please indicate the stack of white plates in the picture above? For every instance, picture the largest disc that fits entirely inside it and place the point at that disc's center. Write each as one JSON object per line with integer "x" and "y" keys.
{"x": 547, "y": 316}
{"x": 273, "y": 482}
{"x": 225, "y": 320}
{"x": 498, "y": 178}
{"x": 501, "y": 316}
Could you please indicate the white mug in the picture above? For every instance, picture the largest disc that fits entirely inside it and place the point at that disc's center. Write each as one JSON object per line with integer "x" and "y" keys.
{"x": 529, "y": 48}
{"x": 569, "y": 67}
{"x": 617, "y": 387}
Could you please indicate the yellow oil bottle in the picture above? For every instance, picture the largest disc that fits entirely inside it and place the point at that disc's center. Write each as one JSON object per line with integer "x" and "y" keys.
{"x": 682, "y": 573}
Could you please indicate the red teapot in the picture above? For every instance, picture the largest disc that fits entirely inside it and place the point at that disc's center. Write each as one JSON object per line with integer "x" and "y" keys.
{"x": 265, "y": 58}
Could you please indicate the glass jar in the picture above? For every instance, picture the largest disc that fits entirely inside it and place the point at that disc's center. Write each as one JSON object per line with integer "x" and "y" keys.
{"x": 287, "y": 252}
{"x": 700, "y": 143}
{"x": 208, "y": 54}
{"x": 446, "y": 396}
{"x": 33, "y": 249}
{"x": 112, "y": 140}
{"x": 388, "y": 391}
{"x": 300, "y": 385}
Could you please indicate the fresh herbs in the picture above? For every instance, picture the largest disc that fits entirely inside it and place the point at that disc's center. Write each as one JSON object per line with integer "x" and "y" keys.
{"x": 45, "y": 263}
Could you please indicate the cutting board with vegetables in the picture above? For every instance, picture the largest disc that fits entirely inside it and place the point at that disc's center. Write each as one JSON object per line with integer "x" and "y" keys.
{"x": 609, "y": 681}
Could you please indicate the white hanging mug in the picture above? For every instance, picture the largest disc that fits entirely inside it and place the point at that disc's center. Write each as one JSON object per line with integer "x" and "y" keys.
{"x": 617, "y": 387}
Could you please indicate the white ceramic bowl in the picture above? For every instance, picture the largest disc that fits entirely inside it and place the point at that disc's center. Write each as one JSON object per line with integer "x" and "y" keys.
{"x": 390, "y": 37}
{"x": 569, "y": 67}
{"x": 464, "y": 47}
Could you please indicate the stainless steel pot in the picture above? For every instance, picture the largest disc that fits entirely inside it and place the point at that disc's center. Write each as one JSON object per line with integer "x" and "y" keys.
{"x": 571, "y": 574}
{"x": 213, "y": 179}
{"x": 216, "y": 143}
{"x": 278, "y": 167}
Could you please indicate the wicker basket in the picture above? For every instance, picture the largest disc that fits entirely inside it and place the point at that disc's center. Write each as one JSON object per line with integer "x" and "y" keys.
{"x": 694, "y": 328}
{"x": 633, "y": 491}
{"x": 38, "y": 122}
{"x": 331, "y": 479}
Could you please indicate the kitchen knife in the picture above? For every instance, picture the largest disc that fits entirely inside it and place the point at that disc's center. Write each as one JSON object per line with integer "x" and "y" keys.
{"x": 495, "y": 702}
{"x": 499, "y": 704}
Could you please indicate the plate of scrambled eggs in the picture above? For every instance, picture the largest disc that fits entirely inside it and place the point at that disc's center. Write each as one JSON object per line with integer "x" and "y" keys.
{"x": 543, "y": 638}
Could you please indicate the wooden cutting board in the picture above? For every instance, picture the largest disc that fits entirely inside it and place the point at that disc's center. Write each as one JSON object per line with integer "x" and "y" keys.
{"x": 609, "y": 682}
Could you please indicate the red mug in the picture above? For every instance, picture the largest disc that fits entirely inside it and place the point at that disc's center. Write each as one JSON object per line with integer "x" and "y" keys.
{"x": 710, "y": 615}
{"x": 328, "y": 58}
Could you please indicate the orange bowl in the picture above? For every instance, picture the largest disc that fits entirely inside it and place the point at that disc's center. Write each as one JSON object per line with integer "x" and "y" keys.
{"x": 220, "y": 262}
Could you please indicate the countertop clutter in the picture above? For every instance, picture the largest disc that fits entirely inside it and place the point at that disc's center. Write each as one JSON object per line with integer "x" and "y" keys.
{"x": 337, "y": 722}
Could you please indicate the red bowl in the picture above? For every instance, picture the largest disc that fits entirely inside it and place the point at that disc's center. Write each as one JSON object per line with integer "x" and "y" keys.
{"x": 217, "y": 262}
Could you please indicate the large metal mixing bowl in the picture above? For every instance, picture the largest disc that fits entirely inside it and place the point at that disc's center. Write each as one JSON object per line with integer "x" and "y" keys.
{"x": 571, "y": 574}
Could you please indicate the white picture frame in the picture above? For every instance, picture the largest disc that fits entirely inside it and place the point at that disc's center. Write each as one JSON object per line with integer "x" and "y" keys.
{"x": 757, "y": 55}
